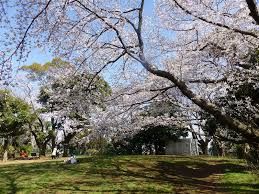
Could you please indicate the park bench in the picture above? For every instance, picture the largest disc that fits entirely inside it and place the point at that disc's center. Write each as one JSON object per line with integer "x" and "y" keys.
{"x": 34, "y": 155}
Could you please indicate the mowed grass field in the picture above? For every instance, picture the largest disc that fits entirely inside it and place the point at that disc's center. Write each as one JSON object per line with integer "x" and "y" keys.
{"x": 130, "y": 174}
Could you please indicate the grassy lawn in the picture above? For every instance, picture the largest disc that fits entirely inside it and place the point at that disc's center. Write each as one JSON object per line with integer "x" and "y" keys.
{"x": 130, "y": 174}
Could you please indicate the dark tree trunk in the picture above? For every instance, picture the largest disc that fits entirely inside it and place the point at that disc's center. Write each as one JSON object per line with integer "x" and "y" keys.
{"x": 42, "y": 149}
{"x": 53, "y": 142}
{"x": 156, "y": 149}
{"x": 223, "y": 147}
{"x": 66, "y": 148}
{"x": 204, "y": 146}
{"x": 5, "y": 147}
{"x": 67, "y": 139}
{"x": 53, "y": 138}
{"x": 252, "y": 154}
{"x": 42, "y": 145}
{"x": 150, "y": 150}
{"x": 204, "y": 149}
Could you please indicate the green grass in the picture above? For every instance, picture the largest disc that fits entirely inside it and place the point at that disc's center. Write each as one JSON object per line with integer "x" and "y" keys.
{"x": 130, "y": 174}
{"x": 245, "y": 181}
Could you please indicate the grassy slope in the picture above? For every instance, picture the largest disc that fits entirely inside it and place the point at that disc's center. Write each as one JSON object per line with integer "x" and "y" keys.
{"x": 125, "y": 174}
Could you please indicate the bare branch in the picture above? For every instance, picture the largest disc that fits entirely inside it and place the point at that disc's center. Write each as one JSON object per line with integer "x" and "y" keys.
{"x": 108, "y": 24}
{"x": 20, "y": 44}
{"x": 144, "y": 101}
{"x": 141, "y": 90}
{"x": 215, "y": 23}
{"x": 100, "y": 70}
{"x": 139, "y": 31}
{"x": 208, "y": 81}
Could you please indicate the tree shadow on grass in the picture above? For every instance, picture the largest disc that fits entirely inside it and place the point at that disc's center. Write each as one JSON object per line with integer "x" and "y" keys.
{"x": 185, "y": 176}
{"x": 10, "y": 174}
{"x": 11, "y": 182}
{"x": 199, "y": 176}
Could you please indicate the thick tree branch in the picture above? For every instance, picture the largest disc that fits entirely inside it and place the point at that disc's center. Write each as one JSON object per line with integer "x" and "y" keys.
{"x": 202, "y": 103}
{"x": 253, "y": 10}
{"x": 139, "y": 31}
{"x": 208, "y": 81}
{"x": 41, "y": 124}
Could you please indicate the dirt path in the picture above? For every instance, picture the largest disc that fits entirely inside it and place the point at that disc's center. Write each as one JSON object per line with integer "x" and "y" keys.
{"x": 44, "y": 159}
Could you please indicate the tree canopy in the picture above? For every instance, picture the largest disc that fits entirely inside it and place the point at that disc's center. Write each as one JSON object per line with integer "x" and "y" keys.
{"x": 15, "y": 115}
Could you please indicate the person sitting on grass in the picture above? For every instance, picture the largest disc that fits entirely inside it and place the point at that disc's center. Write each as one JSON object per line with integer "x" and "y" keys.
{"x": 23, "y": 154}
{"x": 71, "y": 160}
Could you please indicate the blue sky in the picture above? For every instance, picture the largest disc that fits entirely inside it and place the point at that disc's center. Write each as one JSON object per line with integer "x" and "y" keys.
{"x": 43, "y": 56}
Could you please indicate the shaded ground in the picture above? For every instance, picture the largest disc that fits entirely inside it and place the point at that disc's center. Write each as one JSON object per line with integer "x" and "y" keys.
{"x": 130, "y": 174}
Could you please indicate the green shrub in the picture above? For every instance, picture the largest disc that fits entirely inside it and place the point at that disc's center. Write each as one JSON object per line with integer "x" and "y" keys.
{"x": 26, "y": 148}
{"x": 239, "y": 151}
{"x": 92, "y": 152}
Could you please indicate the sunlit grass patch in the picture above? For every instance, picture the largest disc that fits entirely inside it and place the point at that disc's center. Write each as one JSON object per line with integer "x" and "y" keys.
{"x": 241, "y": 182}
{"x": 129, "y": 174}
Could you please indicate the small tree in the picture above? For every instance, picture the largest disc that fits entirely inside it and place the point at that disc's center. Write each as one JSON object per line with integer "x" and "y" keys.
{"x": 71, "y": 98}
{"x": 66, "y": 95}
{"x": 15, "y": 115}
{"x": 42, "y": 133}
{"x": 45, "y": 74}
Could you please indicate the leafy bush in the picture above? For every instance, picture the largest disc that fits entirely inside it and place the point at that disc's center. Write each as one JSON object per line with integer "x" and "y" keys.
{"x": 239, "y": 151}
{"x": 27, "y": 148}
{"x": 1, "y": 150}
{"x": 92, "y": 152}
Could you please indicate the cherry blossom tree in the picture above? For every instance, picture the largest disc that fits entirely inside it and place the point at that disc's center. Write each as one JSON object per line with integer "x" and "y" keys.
{"x": 69, "y": 101}
{"x": 192, "y": 47}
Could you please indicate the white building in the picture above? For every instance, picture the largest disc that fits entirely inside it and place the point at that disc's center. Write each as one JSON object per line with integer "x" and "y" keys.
{"x": 182, "y": 147}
